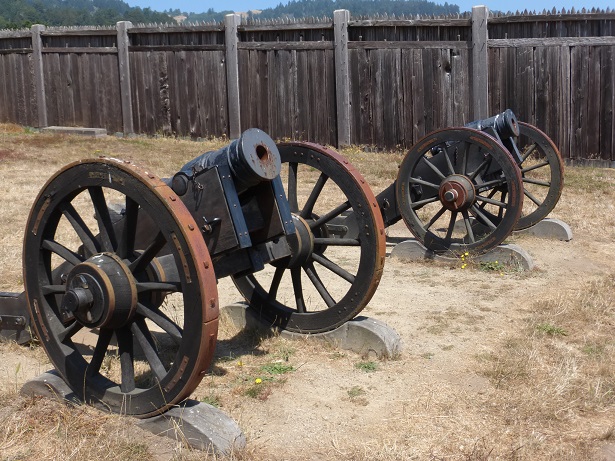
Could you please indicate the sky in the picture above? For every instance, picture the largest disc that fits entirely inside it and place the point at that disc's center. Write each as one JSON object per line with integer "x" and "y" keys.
{"x": 464, "y": 5}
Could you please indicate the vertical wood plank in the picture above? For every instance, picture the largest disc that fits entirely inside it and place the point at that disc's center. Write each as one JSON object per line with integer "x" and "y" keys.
{"x": 342, "y": 83}
{"x": 39, "y": 75}
{"x": 480, "y": 66}
{"x": 231, "y": 22}
{"x": 123, "y": 42}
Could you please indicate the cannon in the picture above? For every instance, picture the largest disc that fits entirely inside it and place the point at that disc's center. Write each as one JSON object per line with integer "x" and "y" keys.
{"x": 466, "y": 189}
{"x": 120, "y": 267}
{"x": 479, "y": 174}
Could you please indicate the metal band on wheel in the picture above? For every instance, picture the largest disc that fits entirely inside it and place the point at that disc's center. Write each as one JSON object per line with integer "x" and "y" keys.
{"x": 338, "y": 250}
{"x": 129, "y": 323}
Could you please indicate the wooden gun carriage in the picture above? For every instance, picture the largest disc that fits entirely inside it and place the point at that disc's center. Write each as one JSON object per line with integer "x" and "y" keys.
{"x": 121, "y": 266}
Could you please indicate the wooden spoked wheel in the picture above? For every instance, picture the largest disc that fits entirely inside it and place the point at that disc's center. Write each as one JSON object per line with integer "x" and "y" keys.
{"x": 130, "y": 322}
{"x": 459, "y": 190}
{"x": 338, "y": 249}
{"x": 542, "y": 172}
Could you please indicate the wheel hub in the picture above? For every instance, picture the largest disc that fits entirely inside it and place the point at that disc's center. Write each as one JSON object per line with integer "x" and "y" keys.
{"x": 457, "y": 192}
{"x": 101, "y": 292}
{"x": 301, "y": 244}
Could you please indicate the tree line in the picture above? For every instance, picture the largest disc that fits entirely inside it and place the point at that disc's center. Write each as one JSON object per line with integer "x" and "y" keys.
{"x": 16, "y": 14}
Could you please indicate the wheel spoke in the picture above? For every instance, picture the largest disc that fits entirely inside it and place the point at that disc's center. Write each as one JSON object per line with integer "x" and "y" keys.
{"x": 295, "y": 274}
{"x": 170, "y": 327}
{"x": 466, "y": 155}
{"x": 139, "y": 264}
{"x": 491, "y": 184}
{"x": 158, "y": 286}
{"x": 100, "y": 351}
{"x": 146, "y": 342}
{"x": 534, "y": 167}
{"x": 468, "y": 224}
{"x": 531, "y": 197}
{"x": 105, "y": 226}
{"x": 343, "y": 273}
{"x": 275, "y": 283}
{"x": 330, "y": 215}
{"x": 292, "y": 187}
{"x": 320, "y": 287}
{"x": 433, "y": 168}
{"x": 126, "y": 246}
{"x": 435, "y": 218}
{"x": 451, "y": 227}
{"x": 490, "y": 201}
{"x": 451, "y": 169}
{"x": 481, "y": 167}
{"x": 529, "y": 150}
{"x": 62, "y": 252}
{"x": 126, "y": 349}
{"x": 420, "y": 203}
{"x": 70, "y": 331}
{"x": 308, "y": 208}
{"x": 483, "y": 217}
{"x": 53, "y": 289}
{"x": 537, "y": 182}
{"x": 83, "y": 232}
{"x": 423, "y": 183}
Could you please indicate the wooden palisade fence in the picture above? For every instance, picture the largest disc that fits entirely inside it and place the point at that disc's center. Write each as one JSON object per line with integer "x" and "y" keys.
{"x": 382, "y": 82}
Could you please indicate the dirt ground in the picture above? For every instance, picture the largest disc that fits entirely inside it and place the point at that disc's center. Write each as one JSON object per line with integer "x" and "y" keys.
{"x": 442, "y": 398}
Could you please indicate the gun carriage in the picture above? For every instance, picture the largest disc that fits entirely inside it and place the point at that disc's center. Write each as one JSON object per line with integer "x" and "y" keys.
{"x": 120, "y": 267}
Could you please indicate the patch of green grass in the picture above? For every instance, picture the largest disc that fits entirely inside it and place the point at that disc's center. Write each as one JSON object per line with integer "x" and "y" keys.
{"x": 367, "y": 367}
{"x": 355, "y": 391}
{"x": 551, "y": 330}
{"x": 277, "y": 368}
{"x": 212, "y": 400}
{"x": 491, "y": 266}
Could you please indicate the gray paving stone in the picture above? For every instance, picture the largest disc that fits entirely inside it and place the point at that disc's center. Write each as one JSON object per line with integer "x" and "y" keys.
{"x": 363, "y": 335}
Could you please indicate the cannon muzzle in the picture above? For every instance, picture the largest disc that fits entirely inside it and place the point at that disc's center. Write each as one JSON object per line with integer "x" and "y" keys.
{"x": 505, "y": 124}
{"x": 252, "y": 159}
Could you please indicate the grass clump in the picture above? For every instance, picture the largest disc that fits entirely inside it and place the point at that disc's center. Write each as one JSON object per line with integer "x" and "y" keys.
{"x": 551, "y": 330}
{"x": 367, "y": 367}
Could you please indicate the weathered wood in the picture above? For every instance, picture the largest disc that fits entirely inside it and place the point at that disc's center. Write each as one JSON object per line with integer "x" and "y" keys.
{"x": 552, "y": 41}
{"x": 123, "y": 43}
{"x": 39, "y": 74}
{"x": 285, "y": 46}
{"x": 438, "y": 22}
{"x": 480, "y": 66}
{"x": 231, "y": 22}
{"x": 342, "y": 82}
{"x": 283, "y": 27}
{"x": 141, "y": 48}
{"x": 78, "y": 49}
{"x": 77, "y": 32}
{"x": 372, "y": 45}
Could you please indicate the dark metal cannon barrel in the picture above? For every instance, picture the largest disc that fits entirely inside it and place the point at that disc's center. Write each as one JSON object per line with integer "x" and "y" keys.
{"x": 505, "y": 124}
{"x": 253, "y": 158}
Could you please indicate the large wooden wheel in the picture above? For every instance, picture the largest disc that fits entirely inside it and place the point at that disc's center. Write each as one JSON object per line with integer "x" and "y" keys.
{"x": 130, "y": 326}
{"x": 338, "y": 249}
{"x": 459, "y": 190}
{"x": 542, "y": 172}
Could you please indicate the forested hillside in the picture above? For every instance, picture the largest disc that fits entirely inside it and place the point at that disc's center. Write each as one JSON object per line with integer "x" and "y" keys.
{"x": 23, "y": 13}
{"x": 322, "y": 8}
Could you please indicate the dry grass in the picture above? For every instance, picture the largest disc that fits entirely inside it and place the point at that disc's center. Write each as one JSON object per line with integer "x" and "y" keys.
{"x": 545, "y": 385}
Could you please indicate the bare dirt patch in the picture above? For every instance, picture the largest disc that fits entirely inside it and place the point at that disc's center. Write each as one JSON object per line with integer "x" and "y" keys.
{"x": 496, "y": 364}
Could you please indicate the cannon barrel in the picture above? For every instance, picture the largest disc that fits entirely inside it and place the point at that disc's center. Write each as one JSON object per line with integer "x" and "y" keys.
{"x": 252, "y": 159}
{"x": 505, "y": 124}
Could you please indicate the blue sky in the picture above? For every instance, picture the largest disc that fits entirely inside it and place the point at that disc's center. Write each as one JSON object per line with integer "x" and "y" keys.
{"x": 464, "y": 5}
